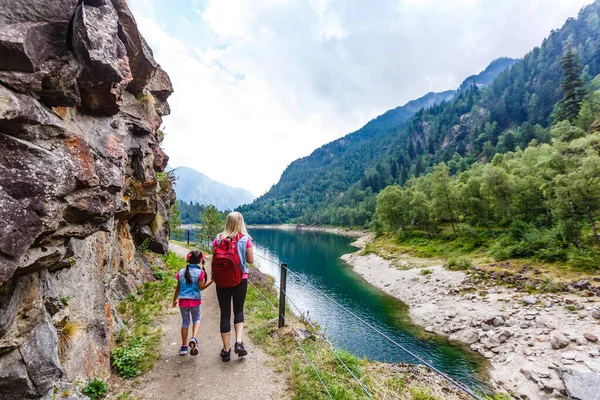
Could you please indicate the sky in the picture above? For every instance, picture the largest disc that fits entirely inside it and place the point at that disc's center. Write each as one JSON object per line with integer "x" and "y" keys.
{"x": 261, "y": 83}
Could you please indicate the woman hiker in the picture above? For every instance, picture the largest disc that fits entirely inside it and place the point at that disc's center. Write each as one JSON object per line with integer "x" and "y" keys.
{"x": 234, "y": 244}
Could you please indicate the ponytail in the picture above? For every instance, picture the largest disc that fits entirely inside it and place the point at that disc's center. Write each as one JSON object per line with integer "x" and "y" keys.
{"x": 188, "y": 277}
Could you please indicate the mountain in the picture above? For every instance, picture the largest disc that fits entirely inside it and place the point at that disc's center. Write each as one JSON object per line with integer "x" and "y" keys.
{"x": 403, "y": 113}
{"x": 193, "y": 186}
{"x": 337, "y": 184}
{"x": 488, "y": 75}
{"x": 329, "y": 171}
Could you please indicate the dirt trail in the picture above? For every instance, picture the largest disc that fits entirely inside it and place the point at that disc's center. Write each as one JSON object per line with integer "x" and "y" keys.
{"x": 205, "y": 376}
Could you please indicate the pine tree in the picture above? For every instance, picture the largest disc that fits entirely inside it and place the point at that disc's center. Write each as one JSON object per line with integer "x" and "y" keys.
{"x": 571, "y": 86}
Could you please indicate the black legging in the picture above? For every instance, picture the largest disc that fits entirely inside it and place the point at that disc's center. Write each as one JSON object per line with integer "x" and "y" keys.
{"x": 239, "y": 297}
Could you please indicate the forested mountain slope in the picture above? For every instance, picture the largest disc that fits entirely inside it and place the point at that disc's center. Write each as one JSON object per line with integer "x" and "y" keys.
{"x": 318, "y": 179}
{"x": 516, "y": 108}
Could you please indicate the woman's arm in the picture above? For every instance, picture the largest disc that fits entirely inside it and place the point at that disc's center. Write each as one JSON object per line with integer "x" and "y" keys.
{"x": 176, "y": 295}
{"x": 250, "y": 255}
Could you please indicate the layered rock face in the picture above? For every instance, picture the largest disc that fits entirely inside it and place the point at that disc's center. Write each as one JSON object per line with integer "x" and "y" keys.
{"x": 81, "y": 101}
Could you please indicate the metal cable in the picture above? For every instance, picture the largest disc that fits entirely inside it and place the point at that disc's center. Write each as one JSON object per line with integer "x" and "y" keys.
{"x": 453, "y": 381}
{"x": 267, "y": 259}
{"x": 329, "y": 346}
{"x": 297, "y": 341}
{"x": 456, "y": 383}
{"x": 310, "y": 362}
{"x": 262, "y": 294}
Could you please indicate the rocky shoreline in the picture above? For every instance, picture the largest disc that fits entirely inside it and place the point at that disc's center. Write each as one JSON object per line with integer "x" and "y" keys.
{"x": 539, "y": 346}
{"x": 310, "y": 228}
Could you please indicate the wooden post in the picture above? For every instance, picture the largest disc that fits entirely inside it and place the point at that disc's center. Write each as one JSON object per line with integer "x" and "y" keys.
{"x": 188, "y": 237}
{"x": 282, "y": 290}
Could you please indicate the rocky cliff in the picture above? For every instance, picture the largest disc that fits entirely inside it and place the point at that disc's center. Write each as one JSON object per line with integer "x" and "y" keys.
{"x": 81, "y": 184}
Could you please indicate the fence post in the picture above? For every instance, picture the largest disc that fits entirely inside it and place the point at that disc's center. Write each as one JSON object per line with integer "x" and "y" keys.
{"x": 282, "y": 290}
{"x": 188, "y": 237}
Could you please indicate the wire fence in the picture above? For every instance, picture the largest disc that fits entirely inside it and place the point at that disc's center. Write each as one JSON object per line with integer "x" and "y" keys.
{"x": 298, "y": 342}
{"x": 459, "y": 385}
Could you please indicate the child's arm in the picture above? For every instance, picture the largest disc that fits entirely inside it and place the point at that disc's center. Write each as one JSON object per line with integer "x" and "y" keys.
{"x": 176, "y": 296}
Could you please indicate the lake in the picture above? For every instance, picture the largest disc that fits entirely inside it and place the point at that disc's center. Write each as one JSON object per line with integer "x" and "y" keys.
{"x": 315, "y": 256}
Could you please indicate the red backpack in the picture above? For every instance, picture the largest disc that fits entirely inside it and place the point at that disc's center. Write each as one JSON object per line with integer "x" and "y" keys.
{"x": 226, "y": 264}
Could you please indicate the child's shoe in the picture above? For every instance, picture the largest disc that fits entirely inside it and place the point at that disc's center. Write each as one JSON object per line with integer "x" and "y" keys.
{"x": 183, "y": 351}
{"x": 225, "y": 355}
{"x": 193, "y": 346}
{"x": 239, "y": 349}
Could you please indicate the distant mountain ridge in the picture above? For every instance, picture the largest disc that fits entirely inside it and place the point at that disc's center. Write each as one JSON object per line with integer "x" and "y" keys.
{"x": 403, "y": 113}
{"x": 488, "y": 75}
{"x": 192, "y": 185}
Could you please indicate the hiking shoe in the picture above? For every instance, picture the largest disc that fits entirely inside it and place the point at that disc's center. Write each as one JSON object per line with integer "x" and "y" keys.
{"x": 193, "y": 346}
{"x": 239, "y": 349}
{"x": 225, "y": 355}
{"x": 183, "y": 351}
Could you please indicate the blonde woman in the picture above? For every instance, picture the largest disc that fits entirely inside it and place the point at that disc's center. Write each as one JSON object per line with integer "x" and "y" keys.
{"x": 235, "y": 228}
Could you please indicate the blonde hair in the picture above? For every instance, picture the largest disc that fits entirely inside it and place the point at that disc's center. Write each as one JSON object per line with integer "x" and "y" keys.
{"x": 235, "y": 225}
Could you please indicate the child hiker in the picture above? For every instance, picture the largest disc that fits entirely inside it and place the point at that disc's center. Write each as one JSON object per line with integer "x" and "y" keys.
{"x": 190, "y": 281}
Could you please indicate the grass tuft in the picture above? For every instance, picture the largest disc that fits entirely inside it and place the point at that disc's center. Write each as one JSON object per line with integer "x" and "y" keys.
{"x": 67, "y": 332}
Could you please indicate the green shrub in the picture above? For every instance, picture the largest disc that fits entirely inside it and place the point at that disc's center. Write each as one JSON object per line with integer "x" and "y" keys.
{"x": 426, "y": 272}
{"x": 584, "y": 259}
{"x": 461, "y": 264}
{"x": 126, "y": 358}
{"x": 64, "y": 300}
{"x": 158, "y": 274}
{"x": 419, "y": 393}
{"x": 95, "y": 389}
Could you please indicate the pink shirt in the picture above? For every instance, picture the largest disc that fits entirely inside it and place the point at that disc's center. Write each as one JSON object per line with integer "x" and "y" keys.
{"x": 248, "y": 246}
{"x": 186, "y": 303}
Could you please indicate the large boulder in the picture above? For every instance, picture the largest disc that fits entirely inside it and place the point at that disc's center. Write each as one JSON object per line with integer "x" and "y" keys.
{"x": 106, "y": 71}
{"x": 14, "y": 11}
{"x": 580, "y": 383}
{"x": 141, "y": 59}
{"x": 34, "y": 53}
{"x": 15, "y": 383}
{"x": 40, "y": 355}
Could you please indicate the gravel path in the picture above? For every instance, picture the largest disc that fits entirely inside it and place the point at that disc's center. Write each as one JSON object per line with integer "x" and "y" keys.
{"x": 205, "y": 376}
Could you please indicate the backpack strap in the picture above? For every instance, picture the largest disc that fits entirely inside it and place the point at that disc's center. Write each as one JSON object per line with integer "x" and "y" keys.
{"x": 236, "y": 238}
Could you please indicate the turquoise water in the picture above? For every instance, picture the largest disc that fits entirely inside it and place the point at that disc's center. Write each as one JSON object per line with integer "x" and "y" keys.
{"x": 315, "y": 256}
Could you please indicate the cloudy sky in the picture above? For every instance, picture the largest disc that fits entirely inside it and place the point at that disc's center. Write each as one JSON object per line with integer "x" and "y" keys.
{"x": 260, "y": 83}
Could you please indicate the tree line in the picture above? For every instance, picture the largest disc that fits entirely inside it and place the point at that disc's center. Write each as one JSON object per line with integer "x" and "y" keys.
{"x": 547, "y": 195}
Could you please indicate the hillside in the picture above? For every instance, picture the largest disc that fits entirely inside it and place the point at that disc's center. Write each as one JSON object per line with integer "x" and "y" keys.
{"x": 337, "y": 183}
{"x": 312, "y": 182}
{"x": 193, "y": 186}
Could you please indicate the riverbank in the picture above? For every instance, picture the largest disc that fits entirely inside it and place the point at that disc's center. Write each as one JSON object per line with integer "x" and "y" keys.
{"x": 353, "y": 233}
{"x": 539, "y": 346}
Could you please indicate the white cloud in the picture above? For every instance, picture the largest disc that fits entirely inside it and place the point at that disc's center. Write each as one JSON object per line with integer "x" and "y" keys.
{"x": 272, "y": 80}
